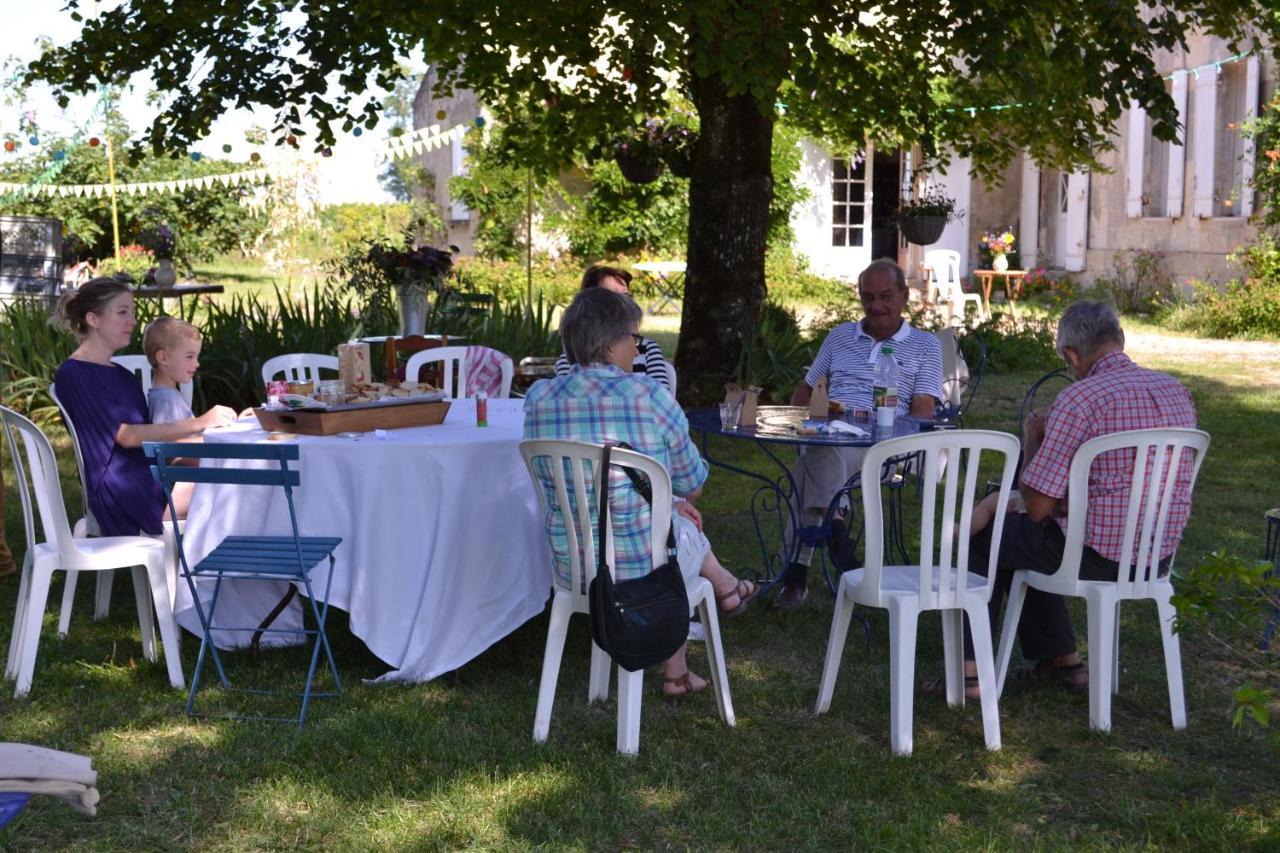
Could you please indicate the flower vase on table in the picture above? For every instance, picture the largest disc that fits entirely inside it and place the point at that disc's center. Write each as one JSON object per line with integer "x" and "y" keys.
{"x": 166, "y": 276}
{"x": 411, "y": 303}
{"x": 1000, "y": 262}
{"x": 999, "y": 244}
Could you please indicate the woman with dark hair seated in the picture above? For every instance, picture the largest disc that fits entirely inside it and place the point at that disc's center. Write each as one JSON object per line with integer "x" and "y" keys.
{"x": 106, "y": 405}
{"x": 600, "y": 400}
{"x": 649, "y": 359}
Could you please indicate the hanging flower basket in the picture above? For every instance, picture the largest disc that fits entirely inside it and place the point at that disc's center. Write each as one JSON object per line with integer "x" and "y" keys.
{"x": 921, "y": 230}
{"x": 680, "y": 163}
{"x": 636, "y": 170}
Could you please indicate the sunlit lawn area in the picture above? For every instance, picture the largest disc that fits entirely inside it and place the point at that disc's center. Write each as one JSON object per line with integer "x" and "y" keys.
{"x": 451, "y": 763}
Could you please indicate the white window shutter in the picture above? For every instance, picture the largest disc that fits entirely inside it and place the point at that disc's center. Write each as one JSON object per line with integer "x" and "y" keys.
{"x": 1250, "y": 112}
{"x": 1029, "y": 212}
{"x": 1206, "y": 118}
{"x": 1077, "y": 221}
{"x": 458, "y": 210}
{"x": 1135, "y": 160}
{"x": 1177, "y": 150}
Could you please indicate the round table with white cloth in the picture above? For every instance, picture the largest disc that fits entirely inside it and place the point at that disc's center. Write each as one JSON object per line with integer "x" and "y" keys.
{"x": 442, "y": 552}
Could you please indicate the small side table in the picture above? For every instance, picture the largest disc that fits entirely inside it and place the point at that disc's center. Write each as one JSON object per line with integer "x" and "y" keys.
{"x": 987, "y": 277}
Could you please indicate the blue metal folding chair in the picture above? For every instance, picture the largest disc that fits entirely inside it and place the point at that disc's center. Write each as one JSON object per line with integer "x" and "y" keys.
{"x": 270, "y": 558}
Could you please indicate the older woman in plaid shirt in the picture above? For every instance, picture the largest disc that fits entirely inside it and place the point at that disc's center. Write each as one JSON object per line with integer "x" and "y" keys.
{"x": 600, "y": 400}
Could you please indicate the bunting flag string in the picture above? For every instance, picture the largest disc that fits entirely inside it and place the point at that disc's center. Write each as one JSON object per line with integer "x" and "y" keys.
{"x": 407, "y": 145}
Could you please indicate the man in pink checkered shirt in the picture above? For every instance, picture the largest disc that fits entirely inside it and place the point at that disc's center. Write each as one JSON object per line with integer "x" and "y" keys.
{"x": 1111, "y": 394}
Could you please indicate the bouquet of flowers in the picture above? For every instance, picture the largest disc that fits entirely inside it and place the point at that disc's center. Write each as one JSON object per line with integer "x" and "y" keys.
{"x": 998, "y": 243}
{"x": 411, "y": 265}
{"x": 159, "y": 241}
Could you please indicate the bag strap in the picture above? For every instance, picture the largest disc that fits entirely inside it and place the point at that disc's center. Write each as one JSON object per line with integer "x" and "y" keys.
{"x": 642, "y": 486}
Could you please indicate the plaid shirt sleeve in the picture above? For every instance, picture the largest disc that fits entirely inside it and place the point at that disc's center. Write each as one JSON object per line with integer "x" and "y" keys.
{"x": 821, "y": 364}
{"x": 1049, "y": 470}
{"x": 688, "y": 468}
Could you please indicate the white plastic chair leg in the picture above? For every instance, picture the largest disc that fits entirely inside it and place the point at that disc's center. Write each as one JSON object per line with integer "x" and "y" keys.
{"x": 980, "y": 628}
{"x": 19, "y": 618}
{"x": 68, "y": 601}
{"x": 835, "y": 650}
{"x": 630, "y": 686}
{"x": 37, "y": 598}
{"x": 102, "y": 596}
{"x": 1172, "y": 662}
{"x": 715, "y": 654}
{"x": 561, "y": 610}
{"x": 953, "y": 655}
{"x": 903, "y": 618}
{"x": 598, "y": 677}
{"x": 1009, "y": 630}
{"x": 1115, "y": 652}
{"x": 169, "y": 631}
{"x": 1101, "y": 614}
{"x": 146, "y": 617}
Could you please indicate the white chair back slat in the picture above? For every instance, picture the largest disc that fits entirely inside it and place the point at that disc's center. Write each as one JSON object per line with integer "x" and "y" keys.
{"x": 945, "y": 525}
{"x": 41, "y": 473}
{"x": 24, "y": 491}
{"x": 577, "y": 492}
{"x": 141, "y": 368}
{"x": 298, "y": 366}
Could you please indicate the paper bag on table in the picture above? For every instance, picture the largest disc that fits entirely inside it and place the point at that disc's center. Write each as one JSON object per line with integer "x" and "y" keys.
{"x": 353, "y": 364}
{"x": 745, "y": 399}
{"x": 818, "y": 402}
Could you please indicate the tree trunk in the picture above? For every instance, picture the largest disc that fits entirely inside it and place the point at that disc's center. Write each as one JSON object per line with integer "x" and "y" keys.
{"x": 729, "y": 197}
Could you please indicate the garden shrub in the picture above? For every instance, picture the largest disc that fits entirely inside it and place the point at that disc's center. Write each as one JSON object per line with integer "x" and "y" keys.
{"x": 345, "y": 226}
{"x": 789, "y": 280}
{"x": 777, "y": 357}
{"x": 1244, "y": 308}
{"x": 1139, "y": 284}
{"x": 134, "y": 261}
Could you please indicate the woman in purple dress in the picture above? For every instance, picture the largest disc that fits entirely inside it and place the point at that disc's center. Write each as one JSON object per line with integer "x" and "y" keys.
{"x": 105, "y": 402}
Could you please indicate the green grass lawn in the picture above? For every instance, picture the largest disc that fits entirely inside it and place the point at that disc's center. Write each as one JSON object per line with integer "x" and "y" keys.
{"x": 451, "y": 763}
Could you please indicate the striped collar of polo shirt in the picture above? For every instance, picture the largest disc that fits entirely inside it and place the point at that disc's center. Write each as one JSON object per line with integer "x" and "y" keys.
{"x": 848, "y": 356}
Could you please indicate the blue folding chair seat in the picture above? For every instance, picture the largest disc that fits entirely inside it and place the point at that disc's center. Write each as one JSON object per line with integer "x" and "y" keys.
{"x": 270, "y": 558}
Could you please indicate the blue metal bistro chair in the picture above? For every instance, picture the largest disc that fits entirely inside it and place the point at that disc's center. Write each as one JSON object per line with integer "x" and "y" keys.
{"x": 269, "y": 558}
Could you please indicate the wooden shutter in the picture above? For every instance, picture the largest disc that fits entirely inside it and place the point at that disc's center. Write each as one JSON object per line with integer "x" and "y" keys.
{"x": 1135, "y": 160}
{"x": 1177, "y": 150}
{"x": 458, "y": 211}
{"x": 1077, "y": 221}
{"x": 1250, "y": 112}
{"x": 1202, "y": 130}
{"x": 1029, "y": 213}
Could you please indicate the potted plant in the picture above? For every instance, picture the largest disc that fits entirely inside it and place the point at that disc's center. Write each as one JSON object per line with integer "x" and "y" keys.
{"x": 639, "y": 155}
{"x": 922, "y": 220}
{"x": 408, "y": 271}
{"x": 159, "y": 241}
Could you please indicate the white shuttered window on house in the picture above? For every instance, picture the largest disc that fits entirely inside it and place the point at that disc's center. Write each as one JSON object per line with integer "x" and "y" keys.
{"x": 1226, "y": 98}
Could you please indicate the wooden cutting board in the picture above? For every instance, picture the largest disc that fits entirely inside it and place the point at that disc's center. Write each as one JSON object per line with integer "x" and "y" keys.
{"x": 357, "y": 417}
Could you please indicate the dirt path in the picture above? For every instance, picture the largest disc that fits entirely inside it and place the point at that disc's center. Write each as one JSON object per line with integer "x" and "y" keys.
{"x": 1257, "y": 360}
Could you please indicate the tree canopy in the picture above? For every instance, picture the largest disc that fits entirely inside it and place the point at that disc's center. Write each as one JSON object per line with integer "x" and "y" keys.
{"x": 989, "y": 78}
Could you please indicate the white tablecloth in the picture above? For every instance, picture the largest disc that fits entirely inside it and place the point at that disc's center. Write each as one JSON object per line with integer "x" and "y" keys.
{"x": 443, "y": 553}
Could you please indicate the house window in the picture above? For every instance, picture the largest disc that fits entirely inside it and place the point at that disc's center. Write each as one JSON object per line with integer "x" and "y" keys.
{"x": 1155, "y": 175}
{"x": 1232, "y": 109}
{"x": 848, "y": 201}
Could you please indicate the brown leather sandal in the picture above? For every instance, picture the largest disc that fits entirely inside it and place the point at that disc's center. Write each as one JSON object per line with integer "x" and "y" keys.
{"x": 938, "y": 687}
{"x": 746, "y": 592}
{"x": 685, "y": 684}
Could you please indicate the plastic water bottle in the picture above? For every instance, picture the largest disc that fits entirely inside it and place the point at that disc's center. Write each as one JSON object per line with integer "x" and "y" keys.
{"x": 885, "y": 388}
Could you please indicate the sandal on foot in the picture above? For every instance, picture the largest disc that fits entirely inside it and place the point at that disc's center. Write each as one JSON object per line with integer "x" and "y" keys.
{"x": 938, "y": 687}
{"x": 746, "y": 591}
{"x": 1073, "y": 677}
{"x": 684, "y": 684}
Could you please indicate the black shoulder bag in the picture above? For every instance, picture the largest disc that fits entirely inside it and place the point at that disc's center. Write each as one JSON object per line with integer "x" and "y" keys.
{"x": 639, "y": 622}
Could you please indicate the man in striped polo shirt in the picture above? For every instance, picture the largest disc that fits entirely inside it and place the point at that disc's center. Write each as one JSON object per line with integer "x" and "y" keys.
{"x": 847, "y": 359}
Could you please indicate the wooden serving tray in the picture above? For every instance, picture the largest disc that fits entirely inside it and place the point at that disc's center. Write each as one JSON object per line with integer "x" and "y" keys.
{"x": 357, "y": 417}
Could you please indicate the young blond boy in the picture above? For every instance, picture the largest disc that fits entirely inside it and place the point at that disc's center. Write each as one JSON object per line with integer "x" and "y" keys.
{"x": 173, "y": 348}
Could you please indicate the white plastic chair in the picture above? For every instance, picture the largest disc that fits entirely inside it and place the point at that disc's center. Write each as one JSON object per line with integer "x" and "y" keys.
{"x": 946, "y": 584}
{"x": 141, "y": 368}
{"x": 1151, "y": 494}
{"x": 85, "y": 527}
{"x": 298, "y": 366}
{"x": 453, "y": 360}
{"x": 944, "y": 281}
{"x": 570, "y": 466}
{"x": 671, "y": 375}
{"x": 61, "y": 551}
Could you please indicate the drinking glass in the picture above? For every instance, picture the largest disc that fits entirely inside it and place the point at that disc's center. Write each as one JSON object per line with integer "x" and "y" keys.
{"x": 729, "y": 413}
